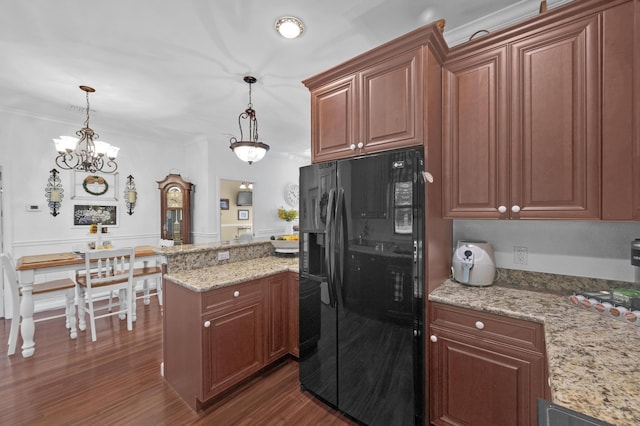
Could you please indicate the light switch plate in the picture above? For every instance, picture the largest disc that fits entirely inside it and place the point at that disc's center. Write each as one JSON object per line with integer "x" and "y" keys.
{"x": 223, "y": 255}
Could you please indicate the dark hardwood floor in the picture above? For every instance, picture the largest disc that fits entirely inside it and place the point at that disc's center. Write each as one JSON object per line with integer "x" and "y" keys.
{"x": 117, "y": 380}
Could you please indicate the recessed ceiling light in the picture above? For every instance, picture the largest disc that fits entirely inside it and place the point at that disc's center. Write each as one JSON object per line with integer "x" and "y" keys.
{"x": 289, "y": 27}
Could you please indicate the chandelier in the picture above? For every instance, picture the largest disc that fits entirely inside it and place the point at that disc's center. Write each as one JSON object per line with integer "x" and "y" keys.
{"x": 86, "y": 153}
{"x": 250, "y": 150}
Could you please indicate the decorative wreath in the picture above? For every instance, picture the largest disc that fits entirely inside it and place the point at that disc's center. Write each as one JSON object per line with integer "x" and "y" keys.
{"x": 95, "y": 179}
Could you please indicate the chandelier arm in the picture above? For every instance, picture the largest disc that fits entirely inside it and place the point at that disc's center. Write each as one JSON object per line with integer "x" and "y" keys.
{"x": 64, "y": 161}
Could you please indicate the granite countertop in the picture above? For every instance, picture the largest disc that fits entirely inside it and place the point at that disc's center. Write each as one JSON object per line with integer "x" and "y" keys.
{"x": 212, "y": 277}
{"x": 594, "y": 360}
{"x": 199, "y": 248}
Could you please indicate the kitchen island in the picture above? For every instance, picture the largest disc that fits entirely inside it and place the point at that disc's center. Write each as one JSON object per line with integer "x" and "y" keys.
{"x": 593, "y": 360}
{"x": 226, "y": 316}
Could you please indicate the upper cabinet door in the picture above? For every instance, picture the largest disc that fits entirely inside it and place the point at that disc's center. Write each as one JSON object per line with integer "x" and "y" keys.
{"x": 555, "y": 131}
{"x": 621, "y": 112}
{"x": 391, "y": 111}
{"x": 475, "y": 146}
{"x": 334, "y": 119}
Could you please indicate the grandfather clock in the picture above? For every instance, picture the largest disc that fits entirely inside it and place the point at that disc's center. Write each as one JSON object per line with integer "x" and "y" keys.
{"x": 175, "y": 209}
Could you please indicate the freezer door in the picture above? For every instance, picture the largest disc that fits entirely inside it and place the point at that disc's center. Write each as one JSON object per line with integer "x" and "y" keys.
{"x": 317, "y": 306}
{"x": 318, "y": 342}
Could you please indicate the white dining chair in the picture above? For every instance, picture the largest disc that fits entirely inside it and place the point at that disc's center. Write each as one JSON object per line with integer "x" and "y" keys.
{"x": 106, "y": 271}
{"x": 62, "y": 287}
{"x": 148, "y": 272}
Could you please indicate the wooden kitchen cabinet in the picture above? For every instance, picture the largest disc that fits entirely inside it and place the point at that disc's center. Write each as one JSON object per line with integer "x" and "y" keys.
{"x": 374, "y": 102}
{"x": 294, "y": 296}
{"x": 621, "y": 111}
{"x": 215, "y": 339}
{"x": 277, "y": 288}
{"x": 476, "y": 143}
{"x": 485, "y": 369}
{"x": 555, "y": 123}
{"x": 232, "y": 341}
{"x": 334, "y": 121}
{"x": 522, "y": 125}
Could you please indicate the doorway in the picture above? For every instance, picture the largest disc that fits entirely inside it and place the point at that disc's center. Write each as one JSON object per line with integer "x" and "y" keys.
{"x": 236, "y": 210}
{"x": 2, "y": 298}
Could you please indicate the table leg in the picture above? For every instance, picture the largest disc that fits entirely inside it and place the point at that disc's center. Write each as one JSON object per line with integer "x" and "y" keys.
{"x": 27, "y": 326}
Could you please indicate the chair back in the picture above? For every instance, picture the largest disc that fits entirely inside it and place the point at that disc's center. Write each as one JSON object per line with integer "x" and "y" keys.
{"x": 10, "y": 270}
{"x": 165, "y": 243}
{"x": 110, "y": 266}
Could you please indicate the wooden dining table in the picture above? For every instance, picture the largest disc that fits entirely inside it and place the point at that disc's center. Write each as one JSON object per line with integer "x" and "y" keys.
{"x": 28, "y": 267}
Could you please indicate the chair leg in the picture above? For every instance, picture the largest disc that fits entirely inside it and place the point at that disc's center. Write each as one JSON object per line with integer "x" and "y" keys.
{"x": 111, "y": 301}
{"x": 145, "y": 285}
{"x": 159, "y": 290}
{"x": 145, "y": 289}
{"x": 15, "y": 327}
{"x": 92, "y": 317}
{"x": 131, "y": 296}
{"x": 70, "y": 311}
{"x": 82, "y": 308}
{"x": 122, "y": 303}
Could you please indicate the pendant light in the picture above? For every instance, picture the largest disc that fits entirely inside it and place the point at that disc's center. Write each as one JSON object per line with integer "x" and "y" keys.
{"x": 250, "y": 150}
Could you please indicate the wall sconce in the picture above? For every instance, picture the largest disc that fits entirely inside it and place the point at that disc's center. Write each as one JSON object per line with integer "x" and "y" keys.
{"x": 130, "y": 195}
{"x": 54, "y": 192}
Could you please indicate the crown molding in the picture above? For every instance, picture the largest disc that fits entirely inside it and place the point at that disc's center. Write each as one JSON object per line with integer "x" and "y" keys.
{"x": 500, "y": 19}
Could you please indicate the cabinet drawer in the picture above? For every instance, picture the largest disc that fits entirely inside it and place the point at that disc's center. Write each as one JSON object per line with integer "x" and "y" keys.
{"x": 511, "y": 331}
{"x": 231, "y": 295}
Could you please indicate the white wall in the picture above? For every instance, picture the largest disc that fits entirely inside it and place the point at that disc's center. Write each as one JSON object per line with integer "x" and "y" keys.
{"x": 586, "y": 249}
{"x": 269, "y": 177}
{"x": 27, "y": 155}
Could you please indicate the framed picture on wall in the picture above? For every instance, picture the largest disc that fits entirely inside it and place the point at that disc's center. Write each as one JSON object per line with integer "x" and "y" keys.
{"x": 96, "y": 186}
{"x": 243, "y": 214}
{"x": 224, "y": 204}
{"x": 85, "y": 215}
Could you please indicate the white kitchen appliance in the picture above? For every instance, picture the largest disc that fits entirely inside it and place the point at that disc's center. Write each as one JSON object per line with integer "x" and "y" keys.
{"x": 473, "y": 263}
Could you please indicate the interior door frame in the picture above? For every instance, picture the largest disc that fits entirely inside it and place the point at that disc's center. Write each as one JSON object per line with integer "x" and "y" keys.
{"x": 2, "y": 298}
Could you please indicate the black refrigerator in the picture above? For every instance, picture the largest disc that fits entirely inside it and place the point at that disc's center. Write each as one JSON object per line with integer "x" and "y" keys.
{"x": 362, "y": 287}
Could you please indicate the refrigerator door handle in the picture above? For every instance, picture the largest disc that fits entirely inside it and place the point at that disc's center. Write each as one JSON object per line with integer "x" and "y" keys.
{"x": 341, "y": 231}
{"x": 328, "y": 256}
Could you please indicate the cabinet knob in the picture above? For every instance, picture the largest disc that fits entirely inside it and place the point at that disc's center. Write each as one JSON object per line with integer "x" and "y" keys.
{"x": 352, "y": 146}
{"x": 502, "y": 209}
{"x": 207, "y": 324}
{"x": 515, "y": 208}
{"x": 479, "y": 325}
{"x": 433, "y": 338}
{"x": 360, "y": 145}
{"x": 236, "y": 293}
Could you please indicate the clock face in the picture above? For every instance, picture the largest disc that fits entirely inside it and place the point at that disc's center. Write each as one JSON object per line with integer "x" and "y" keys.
{"x": 174, "y": 198}
{"x": 292, "y": 194}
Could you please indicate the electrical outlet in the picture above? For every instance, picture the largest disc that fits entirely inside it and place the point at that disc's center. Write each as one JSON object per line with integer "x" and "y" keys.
{"x": 223, "y": 255}
{"x": 520, "y": 255}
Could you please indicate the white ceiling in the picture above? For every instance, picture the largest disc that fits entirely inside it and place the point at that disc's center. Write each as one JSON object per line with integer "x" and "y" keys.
{"x": 173, "y": 68}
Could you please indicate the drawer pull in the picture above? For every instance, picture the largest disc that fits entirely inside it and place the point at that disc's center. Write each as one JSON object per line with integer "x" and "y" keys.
{"x": 207, "y": 324}
{"x": 236, "y": 293}
{"x": 433, "y": 338}
{"x": 479, "y": 325}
